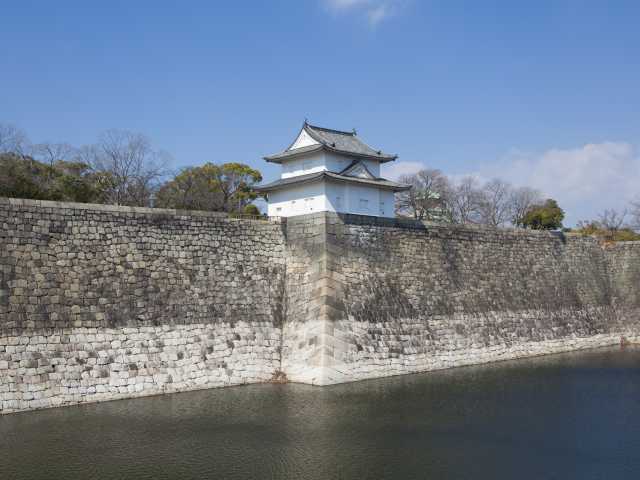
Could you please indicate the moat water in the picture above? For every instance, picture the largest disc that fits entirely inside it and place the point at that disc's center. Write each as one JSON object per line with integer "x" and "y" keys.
{"x": 567, "y": 416}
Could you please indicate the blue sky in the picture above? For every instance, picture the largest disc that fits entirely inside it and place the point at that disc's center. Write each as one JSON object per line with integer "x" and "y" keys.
{"x": 540, "y": 93}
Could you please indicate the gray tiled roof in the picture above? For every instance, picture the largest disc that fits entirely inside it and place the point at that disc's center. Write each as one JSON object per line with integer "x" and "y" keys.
{"x": 312, "y": 177}
{"x": 333, "y": 140}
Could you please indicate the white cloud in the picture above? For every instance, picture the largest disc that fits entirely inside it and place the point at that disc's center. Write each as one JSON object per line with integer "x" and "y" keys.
{"x": 374, "y": 11}
{"x": 585, "y": 180}
{"x": 377, "y": 14}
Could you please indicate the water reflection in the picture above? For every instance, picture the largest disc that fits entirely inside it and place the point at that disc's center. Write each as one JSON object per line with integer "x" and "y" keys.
{"x": 566, "y": 416}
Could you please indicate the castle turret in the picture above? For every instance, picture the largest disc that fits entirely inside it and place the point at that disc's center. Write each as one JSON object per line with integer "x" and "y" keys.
{"x": 330, "y": 170}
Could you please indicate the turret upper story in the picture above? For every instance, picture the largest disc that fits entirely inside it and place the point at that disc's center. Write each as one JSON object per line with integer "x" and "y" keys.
{"x": 318, "y": 149}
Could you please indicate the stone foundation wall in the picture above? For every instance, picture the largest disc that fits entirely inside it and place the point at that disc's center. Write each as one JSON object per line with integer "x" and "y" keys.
{"x": 409, "y": 297}
{"x": 78, "y": 365}
{"x": 623, "y": 263}
{"x": 307, "y": 298}
{"x": 101, "y": 302}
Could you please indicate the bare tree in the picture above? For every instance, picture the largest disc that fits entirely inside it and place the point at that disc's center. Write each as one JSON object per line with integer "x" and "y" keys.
{"x": 635, "y": 214}
{"x": 522, "y": 199}
{"x": 495, "y": 203}
{"x": 51, "y": 153}
{"x": 436, "y": 197}
{"x": 131, "y": 169}
{"x": 611, "y": 221}
{"x": 465, "y": 200}
{"x": 426, "y": 200}
{"x": 13, "y": 140}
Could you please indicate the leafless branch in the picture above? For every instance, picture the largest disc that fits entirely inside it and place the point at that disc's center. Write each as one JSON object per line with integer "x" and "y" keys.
{"x": 13, "y": 140}
{"x": 427, "y": 198}
{"x": 635, "y": 214}
{"x": 495, "y": 203}
{"x": 522, "y": 199}
{"x": 51, "y": 153}
{"x": 466, "y": 199}
{"x": 612, "y": 220}
{"x": 130, "y": 166}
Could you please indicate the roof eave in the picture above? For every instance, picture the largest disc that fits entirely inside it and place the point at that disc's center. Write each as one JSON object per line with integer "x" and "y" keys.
{"x": 268, "y": 188}
{"x": 279, "y": 157}
{"x": 335, "y": 177}
{"x": 381, "y": 159}
{"x": 395, "y": 188}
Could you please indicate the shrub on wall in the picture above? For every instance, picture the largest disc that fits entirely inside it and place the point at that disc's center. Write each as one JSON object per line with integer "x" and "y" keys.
{"x": 547, "y": 216}
{"x": 25, "y": 177}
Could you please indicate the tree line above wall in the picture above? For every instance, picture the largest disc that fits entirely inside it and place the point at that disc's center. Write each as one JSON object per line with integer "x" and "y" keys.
{"x": 121, "y": 168}
{"x": 496, "y": 203}
{"x": 124, "y": 168}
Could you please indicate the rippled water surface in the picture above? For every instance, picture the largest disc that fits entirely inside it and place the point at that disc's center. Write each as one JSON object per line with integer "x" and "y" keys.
{"x": 567, "y": 416}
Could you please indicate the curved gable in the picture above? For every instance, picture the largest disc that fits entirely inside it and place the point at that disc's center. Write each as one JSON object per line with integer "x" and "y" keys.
{"x": 303, "y": 140}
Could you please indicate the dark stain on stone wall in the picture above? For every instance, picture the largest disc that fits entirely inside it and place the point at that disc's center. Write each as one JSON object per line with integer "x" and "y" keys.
{"x": 480, "y": 286}
{"x": 82, "y": 267}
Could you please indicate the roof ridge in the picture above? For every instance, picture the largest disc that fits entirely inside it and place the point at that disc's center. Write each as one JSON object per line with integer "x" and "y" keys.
{"x": 331, "y": 130}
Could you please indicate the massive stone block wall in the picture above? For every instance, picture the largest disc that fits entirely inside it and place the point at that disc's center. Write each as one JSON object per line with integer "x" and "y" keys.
{"x": 623, "y": 263}
{"x": 308, "y": 298}
{"x": 408, "y": 297}
{"x": 101, "y": 302}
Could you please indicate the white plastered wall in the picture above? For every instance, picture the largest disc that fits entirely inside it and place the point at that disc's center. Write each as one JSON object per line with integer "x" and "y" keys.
{"x": 359, "y": 199}
{"x": 363, "y": 200}
{"x": 387, "y": 203}
{"x": 336, "y": 163}
{"x": 311, "y": 163}
{"x": 323, "y": 161}
{"x": 298, "y": 200}
{"x": 373, "y": 167}
{"x": 323, "y": 196}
